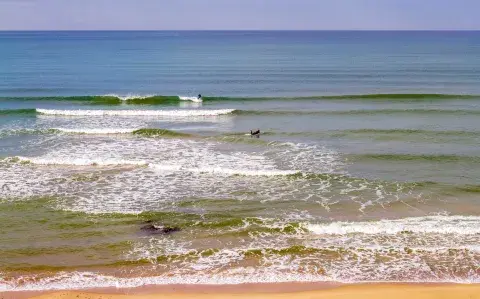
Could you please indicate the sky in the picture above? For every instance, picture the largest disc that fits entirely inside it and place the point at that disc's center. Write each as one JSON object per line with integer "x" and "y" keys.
{"x": 239, "y": 14}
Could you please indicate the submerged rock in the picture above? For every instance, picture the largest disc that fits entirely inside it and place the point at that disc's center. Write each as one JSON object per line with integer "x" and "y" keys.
{"x": 150, "y": 228}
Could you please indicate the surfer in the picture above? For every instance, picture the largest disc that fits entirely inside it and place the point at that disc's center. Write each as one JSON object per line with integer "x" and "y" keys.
{"x": 255, "y": 133}
{"x": 199, "y": 97}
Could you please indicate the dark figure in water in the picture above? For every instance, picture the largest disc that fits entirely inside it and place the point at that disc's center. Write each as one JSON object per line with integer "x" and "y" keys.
{"x": 255, "y": 133}
{"x": 199, "y": 96}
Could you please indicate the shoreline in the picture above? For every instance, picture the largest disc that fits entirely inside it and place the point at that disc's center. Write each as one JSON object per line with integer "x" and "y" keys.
{"x": 296, "y": 290}
{"x": 241, "y": 288}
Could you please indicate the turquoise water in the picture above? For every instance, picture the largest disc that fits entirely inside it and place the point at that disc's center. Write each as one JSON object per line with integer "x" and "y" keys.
{"x": 367, "y": 169}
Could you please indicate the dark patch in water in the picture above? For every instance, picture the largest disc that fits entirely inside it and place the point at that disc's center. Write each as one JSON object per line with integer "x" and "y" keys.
{"x": 153, "y": 229}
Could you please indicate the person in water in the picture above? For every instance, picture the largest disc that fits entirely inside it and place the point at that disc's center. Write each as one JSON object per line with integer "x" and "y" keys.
{"x": 256, "y": 133}
{"x": 199, "y": 96}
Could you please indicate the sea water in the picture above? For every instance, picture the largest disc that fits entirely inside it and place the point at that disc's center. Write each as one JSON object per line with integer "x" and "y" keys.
{"x": 367, "y": 167}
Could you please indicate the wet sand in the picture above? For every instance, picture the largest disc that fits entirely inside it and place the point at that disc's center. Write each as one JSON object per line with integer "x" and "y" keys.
{"x": 280, "y": 291}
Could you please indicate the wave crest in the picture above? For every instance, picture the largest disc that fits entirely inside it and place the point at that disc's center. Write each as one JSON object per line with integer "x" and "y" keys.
{"x": 462, "y": 225}
{"x": 170, "y": 113}
{"x": 155, "y": 166}
{"x": 225, "y": 171}
{"x": 135, "y": 98}
{"x": 95, "y": 131}
{"x": 78, "y": 161}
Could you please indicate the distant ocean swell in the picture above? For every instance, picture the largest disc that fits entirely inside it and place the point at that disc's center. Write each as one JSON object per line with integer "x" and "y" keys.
{"x": 205, "y": 112}
{"x": 360, "y": 112}
{"x": 166, "y": 99}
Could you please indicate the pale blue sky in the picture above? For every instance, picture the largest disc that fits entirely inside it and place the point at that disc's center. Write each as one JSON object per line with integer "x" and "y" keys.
{"x": 239, "y": 14}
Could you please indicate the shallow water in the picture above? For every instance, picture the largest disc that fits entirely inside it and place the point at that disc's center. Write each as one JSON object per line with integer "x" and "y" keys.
{"x": 372, "y": 187}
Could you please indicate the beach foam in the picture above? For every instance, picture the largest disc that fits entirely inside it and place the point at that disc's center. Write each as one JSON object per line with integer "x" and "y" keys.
{"x": 89, "y": 280}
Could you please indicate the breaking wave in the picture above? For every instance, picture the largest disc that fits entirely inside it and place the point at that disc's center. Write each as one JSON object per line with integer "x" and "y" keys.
{"x": 225, "y": 171}
{"x": 165, "y": 99}
{"x": 195, "y": 112}
{"x": 462, "y": 225}
{"x": 94, "y": 131}
{"x": 77, "y": 161}
{"x": 155, "y": 166}
{"x": 170, "y": 113}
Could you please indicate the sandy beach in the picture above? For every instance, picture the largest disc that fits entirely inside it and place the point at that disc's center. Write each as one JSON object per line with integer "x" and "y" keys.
{"x": 370, "y": 291}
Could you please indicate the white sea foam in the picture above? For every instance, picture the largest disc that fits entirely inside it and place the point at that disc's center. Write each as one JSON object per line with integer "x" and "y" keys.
{"x": 80, "y": 161}
{"x": 169, "y": 168}
{"x": 132, "y": 96}
{"x": 129, "y": 96}
{"x": 462, "y": 225}
{"x": 96, "y": 131}
{"x": 224, "y": 171}
{"x": 193, "y": 99}
{"x": 170, "y": 113}
{"x": 89, "y": 280}
{"x": 178, "y": 169}
{"x": 189, "y": 104}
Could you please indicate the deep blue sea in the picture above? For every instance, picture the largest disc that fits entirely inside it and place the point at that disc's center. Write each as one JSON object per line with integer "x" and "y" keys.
{"x": 250, "y": 63}
{"x": 114, "y": 174}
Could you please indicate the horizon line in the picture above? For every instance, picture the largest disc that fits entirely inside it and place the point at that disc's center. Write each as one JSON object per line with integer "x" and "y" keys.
{"x": 239, "y": 30}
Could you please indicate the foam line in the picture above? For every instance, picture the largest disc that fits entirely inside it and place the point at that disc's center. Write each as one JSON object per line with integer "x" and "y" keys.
{"x": 80, "y": 162}
{"x": 171, "y": 113}
{"x": 225, "y": 171}
{"x": 175, "y": 168}
{"x": 463, "y": 225}
{"x": 96, "y": 131}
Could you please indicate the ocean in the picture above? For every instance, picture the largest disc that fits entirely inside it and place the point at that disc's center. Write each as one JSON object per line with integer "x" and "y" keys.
{"x": 367, "y": 168}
